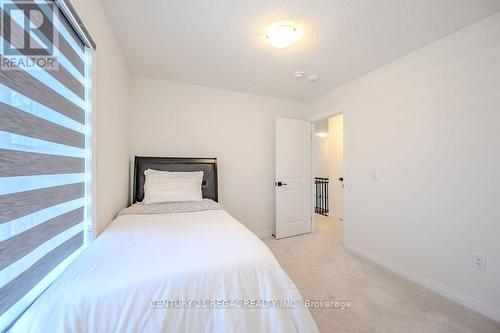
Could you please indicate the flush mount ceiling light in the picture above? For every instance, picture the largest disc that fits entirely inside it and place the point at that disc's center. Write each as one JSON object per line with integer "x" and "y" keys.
{"x": 322, "y": 134}
{"x": 282, "y": 35}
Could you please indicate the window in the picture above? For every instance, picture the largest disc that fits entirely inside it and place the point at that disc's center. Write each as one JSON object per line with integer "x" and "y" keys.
{"x": 45, "y": 148}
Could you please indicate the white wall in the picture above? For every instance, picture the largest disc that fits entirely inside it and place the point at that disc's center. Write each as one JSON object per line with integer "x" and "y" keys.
{"x": 172, "y": 119}
{"x": 320, "y": 153}
{"x": 422, "y": 164}
{"x": 112, "y": 94}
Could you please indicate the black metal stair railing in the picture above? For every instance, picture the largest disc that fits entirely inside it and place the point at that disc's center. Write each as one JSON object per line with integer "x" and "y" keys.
{"x": 321, "y": 196}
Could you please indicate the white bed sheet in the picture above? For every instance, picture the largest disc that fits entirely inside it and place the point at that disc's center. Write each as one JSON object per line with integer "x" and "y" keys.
{"x": 125, "y": 281}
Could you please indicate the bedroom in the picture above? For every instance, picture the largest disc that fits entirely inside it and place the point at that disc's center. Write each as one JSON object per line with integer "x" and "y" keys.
{"x": 418, "y": 84}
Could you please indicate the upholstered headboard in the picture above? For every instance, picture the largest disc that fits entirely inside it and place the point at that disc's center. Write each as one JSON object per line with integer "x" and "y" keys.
{"x": 207, "y": 165}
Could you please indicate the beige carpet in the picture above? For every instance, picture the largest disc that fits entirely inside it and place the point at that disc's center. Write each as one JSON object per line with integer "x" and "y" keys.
{"x": 381, "y": 301}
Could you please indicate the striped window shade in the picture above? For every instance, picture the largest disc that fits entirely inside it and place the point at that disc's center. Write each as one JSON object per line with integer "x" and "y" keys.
{"x": 45, "y": 148}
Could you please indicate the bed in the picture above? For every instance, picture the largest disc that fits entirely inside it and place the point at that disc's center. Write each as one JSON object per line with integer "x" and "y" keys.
{"x": 175, "y": 267}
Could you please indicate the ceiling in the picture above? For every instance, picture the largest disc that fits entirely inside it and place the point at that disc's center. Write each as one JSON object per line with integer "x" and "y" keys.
{"x": 221, "y": 44}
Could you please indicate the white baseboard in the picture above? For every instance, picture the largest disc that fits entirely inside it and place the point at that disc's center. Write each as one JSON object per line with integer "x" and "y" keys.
{"x": 468, "y": 301}
{"x": 264, "y": 233}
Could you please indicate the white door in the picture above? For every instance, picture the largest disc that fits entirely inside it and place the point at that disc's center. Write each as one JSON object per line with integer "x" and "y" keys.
{"x": 293, "y": 183}
{"x": 336, "y": 174}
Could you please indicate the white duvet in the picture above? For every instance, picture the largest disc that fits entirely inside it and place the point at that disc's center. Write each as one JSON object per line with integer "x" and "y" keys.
{"x": 190, "y": 272}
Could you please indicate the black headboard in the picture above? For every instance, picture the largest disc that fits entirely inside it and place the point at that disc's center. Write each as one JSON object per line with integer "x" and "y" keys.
{"x": 207, "y": 165}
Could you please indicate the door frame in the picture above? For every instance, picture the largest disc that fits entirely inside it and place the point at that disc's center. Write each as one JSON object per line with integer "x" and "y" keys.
{"x": 314, "y": 119}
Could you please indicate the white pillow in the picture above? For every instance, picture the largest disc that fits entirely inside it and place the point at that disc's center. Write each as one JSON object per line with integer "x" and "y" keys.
{"x": 166, "y": 186}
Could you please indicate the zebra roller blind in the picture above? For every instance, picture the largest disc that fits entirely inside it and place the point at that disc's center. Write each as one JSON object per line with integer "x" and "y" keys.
{"x": 45, "y": 148}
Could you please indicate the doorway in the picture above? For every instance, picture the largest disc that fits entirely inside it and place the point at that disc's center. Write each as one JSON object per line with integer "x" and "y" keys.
{"x": 328, "y": 166}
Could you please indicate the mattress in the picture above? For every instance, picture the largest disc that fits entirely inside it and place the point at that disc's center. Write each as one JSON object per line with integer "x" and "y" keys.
{"x": 171, "y": 268}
